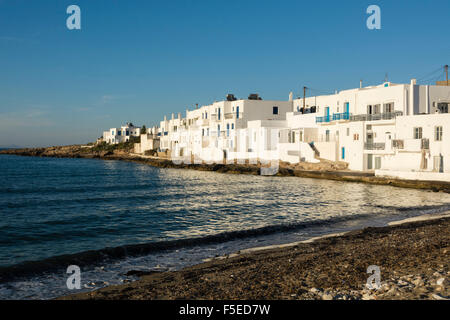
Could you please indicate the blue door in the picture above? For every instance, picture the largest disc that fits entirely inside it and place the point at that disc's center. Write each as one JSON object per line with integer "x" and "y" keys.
{"x": 327, "y": 114}
{"x": 347, "y": 111}
{"x": 237, "y": 112}
{"x": 343, "y": 153}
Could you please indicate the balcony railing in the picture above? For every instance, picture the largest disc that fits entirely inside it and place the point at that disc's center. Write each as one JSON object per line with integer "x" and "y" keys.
{"x": 233, "y": 115}
{"x": 334, "y": 117}
{"x": 398, "y": 144}
{"x": 359, "y": 117}
{"x": 374, "y": 146}
{"x": 203, "y": 122}
{"x": 341, "y": 116}
{"x": 323, "y": 119}
{"x": 378, "y": 116}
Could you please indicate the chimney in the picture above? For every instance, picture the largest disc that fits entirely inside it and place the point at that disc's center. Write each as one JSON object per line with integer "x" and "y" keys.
{"x": 360, "y": 84}
{"x": 291, "y": 96}
{"x": 412, "y": 89}
{"x": 179, "y": 115}
{"x": 173, "y": 116}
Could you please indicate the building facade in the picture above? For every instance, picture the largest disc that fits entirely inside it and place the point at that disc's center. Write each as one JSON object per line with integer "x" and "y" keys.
{"x": 121, "y": 134}
{"x": 399, "y": 130}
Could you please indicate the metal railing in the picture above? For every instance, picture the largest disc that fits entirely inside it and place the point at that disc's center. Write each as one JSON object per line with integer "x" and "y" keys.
{"x": 374, "y": 146}
{"x": 334, "y": 117}
{"x": 341, "y": 116}
{"x": 323, "y": 119}
{"x": 378, "y": 116}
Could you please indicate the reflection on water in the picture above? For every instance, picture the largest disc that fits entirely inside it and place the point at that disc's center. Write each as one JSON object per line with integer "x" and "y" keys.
{"x": 50, "y": 207}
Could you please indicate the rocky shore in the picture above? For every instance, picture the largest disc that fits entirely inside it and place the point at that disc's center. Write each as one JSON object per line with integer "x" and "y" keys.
{"x": 413, "y": 258}
{"x": 324, "y": 170}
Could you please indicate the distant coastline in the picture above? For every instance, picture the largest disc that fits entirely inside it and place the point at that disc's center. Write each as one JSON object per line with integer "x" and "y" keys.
{"x": 329, "y": 172}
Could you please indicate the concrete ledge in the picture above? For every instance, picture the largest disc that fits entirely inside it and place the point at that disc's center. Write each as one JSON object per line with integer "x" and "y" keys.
{"x": 409, "y": 175}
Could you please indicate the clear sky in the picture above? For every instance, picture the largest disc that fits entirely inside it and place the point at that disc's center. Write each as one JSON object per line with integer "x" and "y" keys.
{"x": 138, "y": 60}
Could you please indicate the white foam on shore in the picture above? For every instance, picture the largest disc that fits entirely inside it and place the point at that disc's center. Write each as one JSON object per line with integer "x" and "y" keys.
{"x": 425, "y": 217}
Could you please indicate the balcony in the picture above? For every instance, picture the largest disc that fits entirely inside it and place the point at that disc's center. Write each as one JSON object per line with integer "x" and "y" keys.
{"x": 323, "y": 119}
{"x": 203, "y": 122}
{"x": 341, "y": 116}
{"x": 378, "y": 116}
{"x": 233, "y": 115}
{"x": 374, "y": 146}
{"x": 334, "y": 117}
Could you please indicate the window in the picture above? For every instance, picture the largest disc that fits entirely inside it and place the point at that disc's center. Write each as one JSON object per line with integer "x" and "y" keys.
{"x": 377, "y": 109}
{"x": 206, "y": 115}
{"x": 228, "y": 129}
{"x": 292, "y": 137}
{"x": 237, "y": 112}
{"x": 388, "y": 107}
{"x": 218, "y": 129}
{"x": 443, "y": 107}
{"x": 418, "y": 133}
{"x": 356, "y": 136}
{"x": 232, "y": 126}
{"x": 373, "y": 109}
{"x": 203, "y": 132}
{"x": 438, "y": 133}
{"x": 327, "y": 135}
{"x": 275, "y": 110}
{"x": 127, "y": 133}
{"x": 118, "y": 133}
{"x": 218, "y": 114}
{"x": 348, "y": 132}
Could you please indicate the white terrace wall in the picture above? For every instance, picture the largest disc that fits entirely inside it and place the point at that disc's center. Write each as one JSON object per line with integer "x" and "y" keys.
{"x": 411, "y": 157}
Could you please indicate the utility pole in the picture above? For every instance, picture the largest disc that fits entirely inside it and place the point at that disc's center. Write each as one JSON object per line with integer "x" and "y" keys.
{"x": 446, "y": 72}
{"x": 304, "y": 97}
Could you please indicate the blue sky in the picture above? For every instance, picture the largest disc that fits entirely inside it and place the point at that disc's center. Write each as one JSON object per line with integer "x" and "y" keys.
{"x": 138, "y": 60}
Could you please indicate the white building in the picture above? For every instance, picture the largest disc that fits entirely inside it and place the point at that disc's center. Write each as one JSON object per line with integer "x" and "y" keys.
{"x": 122, "y": 134}
{"x": 389, "y": 128}
{"x": 399, "y": 130}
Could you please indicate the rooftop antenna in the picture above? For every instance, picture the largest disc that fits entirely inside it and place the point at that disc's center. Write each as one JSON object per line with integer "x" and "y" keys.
{"x": 386, "y": 77}
{"x": 304, "y": 97}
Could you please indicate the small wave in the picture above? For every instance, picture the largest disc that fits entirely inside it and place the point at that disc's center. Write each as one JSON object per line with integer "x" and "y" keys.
{"x": 93, "y": 257}
{"x": 427, "y": 209}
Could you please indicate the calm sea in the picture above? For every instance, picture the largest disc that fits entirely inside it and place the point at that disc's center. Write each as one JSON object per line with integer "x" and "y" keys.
{"x": 110, "y": 217}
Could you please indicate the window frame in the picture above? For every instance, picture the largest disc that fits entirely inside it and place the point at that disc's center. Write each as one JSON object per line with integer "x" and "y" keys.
{"x": 438, "y": 133}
